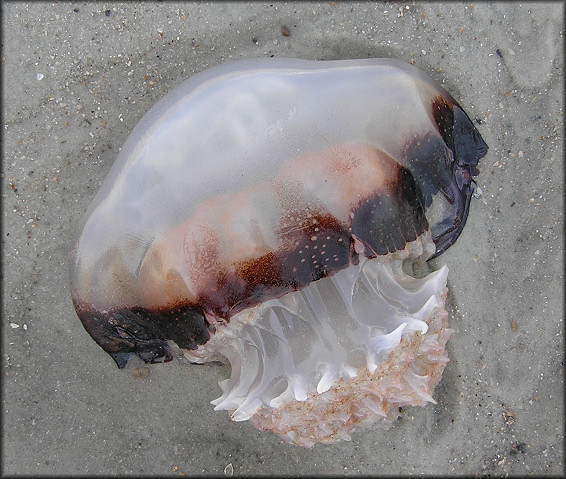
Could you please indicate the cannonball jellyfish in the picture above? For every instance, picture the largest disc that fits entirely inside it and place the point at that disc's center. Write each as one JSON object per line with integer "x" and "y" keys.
{"x": 273, "y": 212}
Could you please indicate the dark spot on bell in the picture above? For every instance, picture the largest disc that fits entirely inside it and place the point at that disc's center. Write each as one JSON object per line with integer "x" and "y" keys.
{"x": 443, "y": 114}
{"x": 145, "y": 332}
{"x": 390, "y": 219}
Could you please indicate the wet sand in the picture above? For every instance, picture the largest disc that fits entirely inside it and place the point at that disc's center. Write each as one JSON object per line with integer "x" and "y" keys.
{"x": 78, "y": 77}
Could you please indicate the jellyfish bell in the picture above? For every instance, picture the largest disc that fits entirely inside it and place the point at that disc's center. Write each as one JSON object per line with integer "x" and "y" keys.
{"x": 270, "y": 211}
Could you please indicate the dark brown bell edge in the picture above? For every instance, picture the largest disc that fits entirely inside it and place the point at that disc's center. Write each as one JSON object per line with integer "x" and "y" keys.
{"x": 467, "y": 145}
{"x": 145, "y": 332}
{"x": 384, "y": 222}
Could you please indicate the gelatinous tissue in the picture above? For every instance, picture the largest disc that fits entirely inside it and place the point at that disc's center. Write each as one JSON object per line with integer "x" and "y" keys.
{"x": 272, "y": 213}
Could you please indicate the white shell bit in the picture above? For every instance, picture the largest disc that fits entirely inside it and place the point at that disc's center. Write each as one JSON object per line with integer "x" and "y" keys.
{"x": 262, "y": 211}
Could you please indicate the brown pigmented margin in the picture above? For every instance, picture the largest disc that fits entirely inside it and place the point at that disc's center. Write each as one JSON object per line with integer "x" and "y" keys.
{"x": 380, "y": 223}
{"x": 443, "y": 114}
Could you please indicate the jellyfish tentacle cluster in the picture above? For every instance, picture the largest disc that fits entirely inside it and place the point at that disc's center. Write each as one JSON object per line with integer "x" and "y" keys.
{"x": 301, "y": 351}
{"x": 268, "y": 211}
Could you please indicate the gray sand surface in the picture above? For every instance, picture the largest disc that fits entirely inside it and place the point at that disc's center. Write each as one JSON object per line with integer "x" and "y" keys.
{"x": 77, "y": 77}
